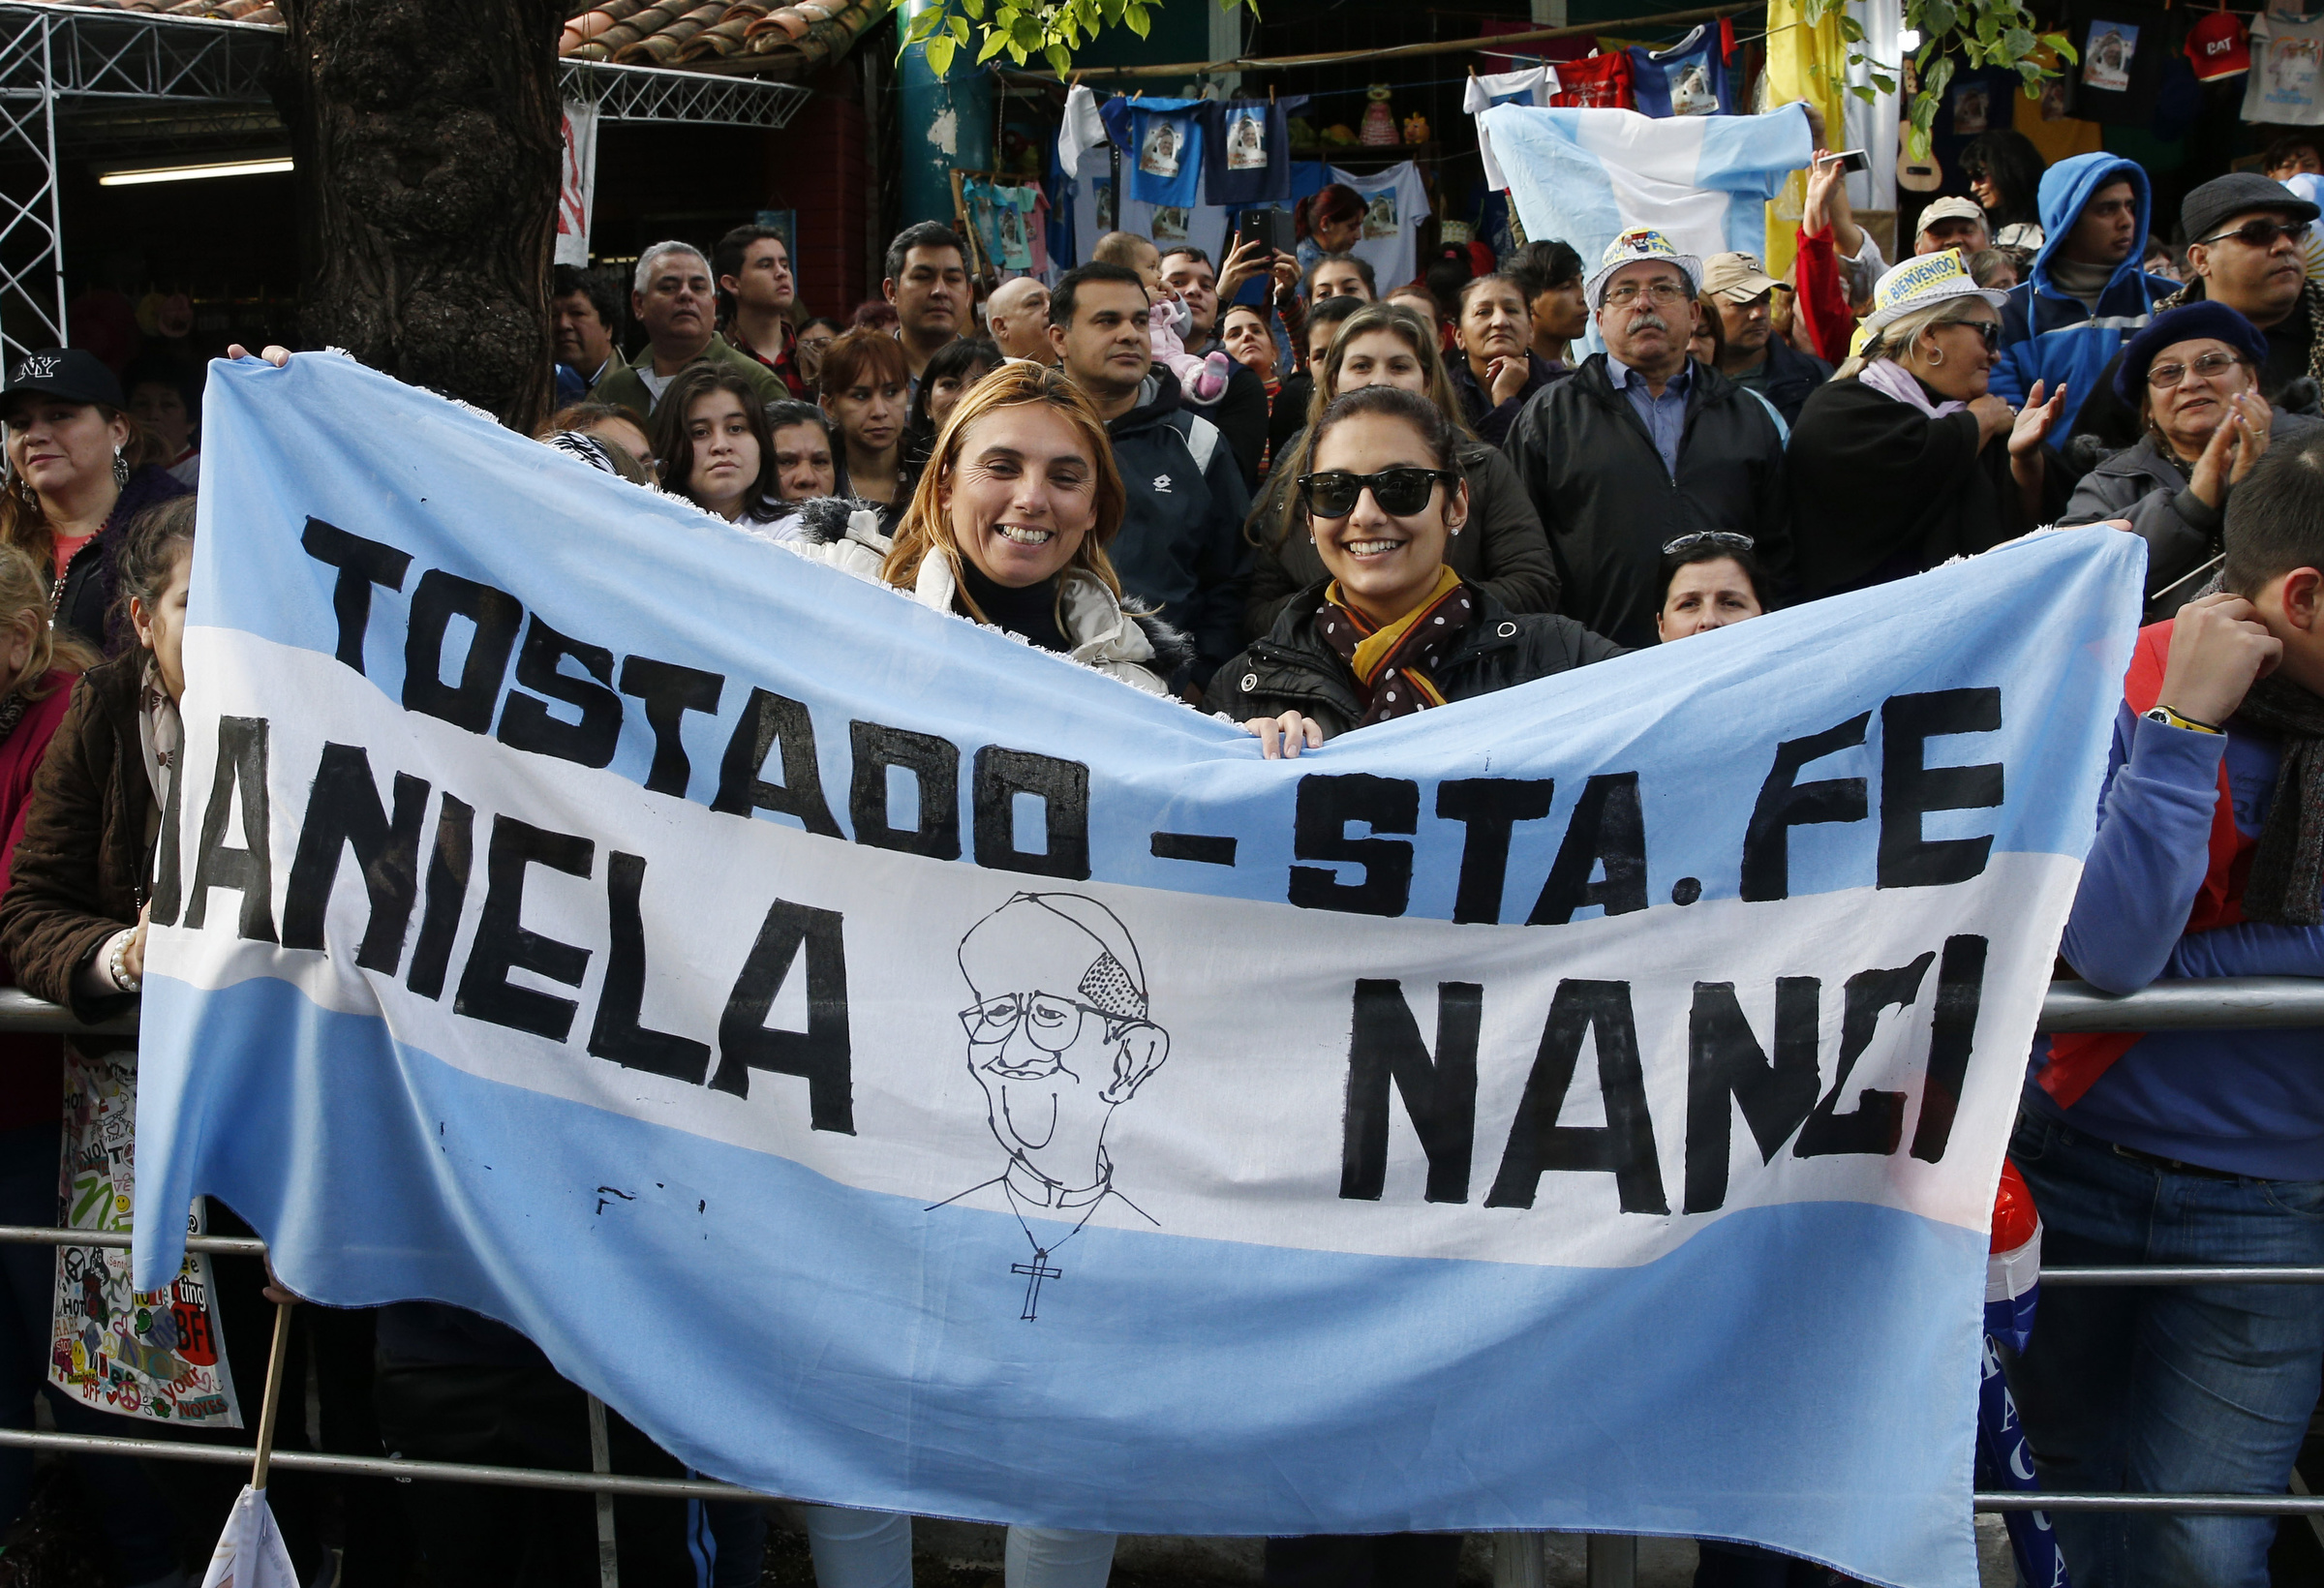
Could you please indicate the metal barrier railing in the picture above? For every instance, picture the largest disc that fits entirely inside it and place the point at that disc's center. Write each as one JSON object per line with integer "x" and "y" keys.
{"x": 2241, "y": 1003}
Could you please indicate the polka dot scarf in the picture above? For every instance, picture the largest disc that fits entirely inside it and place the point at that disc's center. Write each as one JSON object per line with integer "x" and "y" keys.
{"x": 1397, "y": 663}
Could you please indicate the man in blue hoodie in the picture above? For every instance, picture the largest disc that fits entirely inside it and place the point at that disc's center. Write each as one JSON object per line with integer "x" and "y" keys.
{"x": 2087, "y": 294}
{"x": 2196, "y": 1146}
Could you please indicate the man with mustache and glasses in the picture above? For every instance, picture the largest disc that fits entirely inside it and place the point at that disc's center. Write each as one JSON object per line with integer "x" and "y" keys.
{"x": 1640, "y": 445}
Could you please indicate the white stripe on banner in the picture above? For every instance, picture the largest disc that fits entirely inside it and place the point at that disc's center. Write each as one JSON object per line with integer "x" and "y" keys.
{"x": 920, "y": 1115}
{"x": 896, "y": 1067}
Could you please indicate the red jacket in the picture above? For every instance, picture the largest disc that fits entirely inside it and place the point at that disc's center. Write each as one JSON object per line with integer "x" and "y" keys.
{"x": 31, "y": 1067}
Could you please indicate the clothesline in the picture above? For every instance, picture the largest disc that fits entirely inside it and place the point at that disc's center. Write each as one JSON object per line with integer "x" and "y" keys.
{"x": 1487, "y": 45}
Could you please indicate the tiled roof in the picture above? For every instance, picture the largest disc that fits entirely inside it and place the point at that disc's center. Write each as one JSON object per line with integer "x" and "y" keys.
{"x": 758, "y": 37}
{"x": 767, "y": 39}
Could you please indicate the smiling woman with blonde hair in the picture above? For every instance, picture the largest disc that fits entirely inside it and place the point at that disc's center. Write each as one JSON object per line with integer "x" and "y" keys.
{"x": 1008, "y": 528}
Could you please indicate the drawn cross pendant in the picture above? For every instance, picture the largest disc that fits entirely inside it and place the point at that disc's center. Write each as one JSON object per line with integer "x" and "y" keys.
{"x": 1034, "y": 1272}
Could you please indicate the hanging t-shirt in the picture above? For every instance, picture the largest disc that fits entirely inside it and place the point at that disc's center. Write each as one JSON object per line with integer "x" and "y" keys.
{"x": 1601, "y": 83}
{"x": 2049, "y": 123}
{"x": 1198, "y": 226}
{"x": 1687, "y": 79}
{"x": 2122, "y": 51}
{"x": 1036, "y": 231}
{"x": 1532, "y": 86}
{"x": 1166, "y": 155}
{"x": 1160, "y": 140}
{"x": 1013, "y": 209}
{"x": 1081, "y": 129}
{"x": 1395, "y": 204}
{"x": 1091, "y": 210}
{"x": 977, "y": 197}
{"x": 2285, "y": 84}
{"x": 1246, "y": 150}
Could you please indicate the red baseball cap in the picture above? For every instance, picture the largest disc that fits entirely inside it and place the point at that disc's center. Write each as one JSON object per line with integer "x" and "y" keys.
{"x": 2217, "y": 47}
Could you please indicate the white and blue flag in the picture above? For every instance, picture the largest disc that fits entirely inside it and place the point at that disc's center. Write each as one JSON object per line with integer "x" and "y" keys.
{"x": 1586, "y": 176}
{"x": 897, "y": 1067}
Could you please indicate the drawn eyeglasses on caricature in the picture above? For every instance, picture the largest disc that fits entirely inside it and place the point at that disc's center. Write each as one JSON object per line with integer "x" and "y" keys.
{"x": 1050, "y": 1024}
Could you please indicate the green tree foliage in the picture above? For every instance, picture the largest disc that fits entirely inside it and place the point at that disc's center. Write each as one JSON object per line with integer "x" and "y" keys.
{"x": 1985, "y": 32}
{"x": 1022, "y": 29}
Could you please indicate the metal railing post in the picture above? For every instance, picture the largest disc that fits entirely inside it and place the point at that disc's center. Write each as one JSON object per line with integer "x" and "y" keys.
{"x": 1519, "y": 1558}
{"x": 600, "y": 1460}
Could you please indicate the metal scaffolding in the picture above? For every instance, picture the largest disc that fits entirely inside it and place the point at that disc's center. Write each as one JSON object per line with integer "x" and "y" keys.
{"x": 90, "y": 83}
{"x": 653, "y": 93}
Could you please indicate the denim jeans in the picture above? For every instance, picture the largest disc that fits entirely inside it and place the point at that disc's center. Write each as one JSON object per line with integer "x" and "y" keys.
{"x": 873, "y": 1549}
{"x": 2171, "y": 1388}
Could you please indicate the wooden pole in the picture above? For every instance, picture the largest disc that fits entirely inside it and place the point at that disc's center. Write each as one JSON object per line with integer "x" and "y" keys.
{"x": 271, "y": 1403}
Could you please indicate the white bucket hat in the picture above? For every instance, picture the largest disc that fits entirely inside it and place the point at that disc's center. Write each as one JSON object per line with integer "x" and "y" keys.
{"x": 1637, "y": 246}
{"x": 1923, "y": 283}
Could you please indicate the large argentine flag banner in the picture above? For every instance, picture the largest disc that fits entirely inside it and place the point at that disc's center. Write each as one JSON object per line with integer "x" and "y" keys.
{"x": 1587, "y": 176}
{"x": 899, "y": 1067}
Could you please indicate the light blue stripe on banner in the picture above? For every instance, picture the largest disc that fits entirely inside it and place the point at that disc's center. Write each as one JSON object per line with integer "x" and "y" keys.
{"x": 900, "y": 1376}
{"x": 2047, "y": 622}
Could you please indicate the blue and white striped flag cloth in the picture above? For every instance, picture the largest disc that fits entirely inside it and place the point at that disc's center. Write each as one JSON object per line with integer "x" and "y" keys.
{"x": 896, "y": 1066}
{"x": 1587, "y": 176}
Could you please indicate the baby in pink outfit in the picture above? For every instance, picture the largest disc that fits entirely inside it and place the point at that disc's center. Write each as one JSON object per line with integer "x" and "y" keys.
{"x": 1202, "y": 380}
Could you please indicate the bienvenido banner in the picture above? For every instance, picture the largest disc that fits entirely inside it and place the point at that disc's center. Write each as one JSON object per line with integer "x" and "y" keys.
{"x": 899, "y": 1067}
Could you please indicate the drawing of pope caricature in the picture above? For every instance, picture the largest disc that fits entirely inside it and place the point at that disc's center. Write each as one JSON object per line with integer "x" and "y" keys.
{"x": 1059, "y": 1037}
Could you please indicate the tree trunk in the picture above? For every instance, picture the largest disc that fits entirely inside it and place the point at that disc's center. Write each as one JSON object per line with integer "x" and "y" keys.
{"x": 427, "y": 143}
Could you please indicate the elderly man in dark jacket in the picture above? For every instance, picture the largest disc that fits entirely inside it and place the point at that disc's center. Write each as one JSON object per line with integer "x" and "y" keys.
{"x": 1642, "y": 445}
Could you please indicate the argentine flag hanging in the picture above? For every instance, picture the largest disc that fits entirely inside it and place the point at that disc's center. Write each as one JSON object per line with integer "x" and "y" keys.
{"x": 1586, "y": 176}
{"x": 897, "y": 1067}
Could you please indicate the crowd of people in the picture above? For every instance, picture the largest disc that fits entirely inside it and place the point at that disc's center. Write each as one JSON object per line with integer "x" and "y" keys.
{"x": 1266, "y": 488}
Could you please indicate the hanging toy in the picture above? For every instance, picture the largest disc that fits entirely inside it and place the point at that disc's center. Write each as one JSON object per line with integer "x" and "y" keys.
{"x": 1416, "y": 128}
{"x": 1379, "y": 120}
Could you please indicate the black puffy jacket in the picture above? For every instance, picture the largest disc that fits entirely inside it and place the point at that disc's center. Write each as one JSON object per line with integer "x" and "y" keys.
{"x": 1181, "y": 548}
{"x": 1609, "y": 506}
{"x": 1295, "y": 669}
{"x": 1501, "y": 550}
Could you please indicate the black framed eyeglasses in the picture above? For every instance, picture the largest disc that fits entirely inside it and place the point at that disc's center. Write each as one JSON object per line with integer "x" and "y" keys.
{"x": 2261, "y": 232}
{"x": 1400, "y": 492}
{"x": 1731, "y": 539}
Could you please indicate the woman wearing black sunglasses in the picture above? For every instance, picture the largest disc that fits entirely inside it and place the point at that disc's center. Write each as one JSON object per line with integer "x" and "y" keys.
{"x": 1904, "y": 460}
{"x": 1390, "y": 628}
{"x": 1505, "y": 550}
